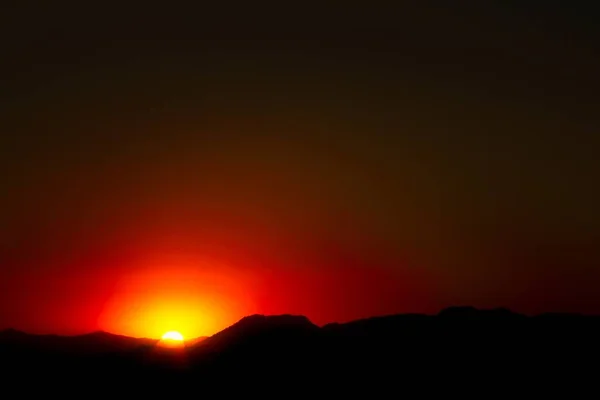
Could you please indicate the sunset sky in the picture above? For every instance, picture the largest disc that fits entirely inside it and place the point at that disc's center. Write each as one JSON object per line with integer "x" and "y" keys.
{"x": 337, "y": 163}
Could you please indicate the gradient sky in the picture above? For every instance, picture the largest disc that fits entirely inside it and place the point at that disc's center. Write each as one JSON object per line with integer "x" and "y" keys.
{"x": 337, "y": 163}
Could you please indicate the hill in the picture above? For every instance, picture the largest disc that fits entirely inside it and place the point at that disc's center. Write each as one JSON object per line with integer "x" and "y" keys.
{"x": 458, "y": 344}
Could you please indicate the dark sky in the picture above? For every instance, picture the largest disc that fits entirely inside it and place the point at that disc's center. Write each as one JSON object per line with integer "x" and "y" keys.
{"x": 353, "y": 160}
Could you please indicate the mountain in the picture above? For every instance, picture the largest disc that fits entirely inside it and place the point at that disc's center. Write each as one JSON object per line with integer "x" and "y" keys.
{"x": 259, "y": 330}
{"x": 87, "y": 344}
{"x": 274, "y": 340}
{"x": 459, "y": 345}
{"x": 195, "y": 341}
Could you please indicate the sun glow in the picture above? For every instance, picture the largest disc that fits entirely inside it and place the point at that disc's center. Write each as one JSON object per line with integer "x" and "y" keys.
{"x": 173, "y": 335}
{"x": 195, "y": 298}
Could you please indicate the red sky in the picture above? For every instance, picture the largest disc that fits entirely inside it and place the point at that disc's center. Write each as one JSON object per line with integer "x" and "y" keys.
{"x": 400, "y": 160}
{"x": 166, "y": 283}
{"x": 148, "y": 293}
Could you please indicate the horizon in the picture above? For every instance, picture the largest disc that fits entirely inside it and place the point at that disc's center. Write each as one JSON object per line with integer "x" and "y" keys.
{"x": 334, "y": 162}
{"x": 383, "y": 316}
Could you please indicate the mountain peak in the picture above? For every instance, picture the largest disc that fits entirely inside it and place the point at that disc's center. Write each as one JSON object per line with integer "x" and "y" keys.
{"x": 458, "y": 311}
{"x": 275, "y": 320}
{"x": 257, "y": 325}
{"x": 260, "y": 323}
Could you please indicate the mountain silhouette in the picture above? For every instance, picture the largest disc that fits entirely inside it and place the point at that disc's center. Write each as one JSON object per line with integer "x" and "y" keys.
{"x": 91, "y": 343}
{"x": 256, "y": 330}
{"x": 459, "y": 344}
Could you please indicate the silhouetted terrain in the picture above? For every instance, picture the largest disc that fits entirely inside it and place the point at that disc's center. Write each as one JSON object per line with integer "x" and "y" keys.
{"x": 459, "y": 346}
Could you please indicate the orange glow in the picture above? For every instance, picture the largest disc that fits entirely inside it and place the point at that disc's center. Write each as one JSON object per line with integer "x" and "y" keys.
{"x": 192, "y": 297}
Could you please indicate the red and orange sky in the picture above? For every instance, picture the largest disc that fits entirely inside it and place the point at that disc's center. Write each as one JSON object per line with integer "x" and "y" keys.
{"x": 398, "y": 161}
{"x": 199, "y": 290}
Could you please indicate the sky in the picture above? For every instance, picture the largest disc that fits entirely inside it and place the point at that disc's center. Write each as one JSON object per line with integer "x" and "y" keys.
{"x": 177, "y": 168}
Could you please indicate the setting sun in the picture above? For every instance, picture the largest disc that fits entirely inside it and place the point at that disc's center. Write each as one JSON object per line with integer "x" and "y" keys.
{"x": 173, "y": 335}
{"x": 172, "y": 340}
{"x": 163, "y": 294}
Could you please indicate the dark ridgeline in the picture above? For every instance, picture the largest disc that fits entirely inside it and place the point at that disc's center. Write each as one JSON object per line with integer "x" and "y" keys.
{"x": 464, "y": 349}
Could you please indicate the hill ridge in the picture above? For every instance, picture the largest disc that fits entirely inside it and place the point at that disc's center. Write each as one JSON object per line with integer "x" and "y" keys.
{"x": 301, "y": 320}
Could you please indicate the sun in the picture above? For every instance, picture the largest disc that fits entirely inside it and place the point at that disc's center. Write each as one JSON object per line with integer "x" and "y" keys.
{"x": 172, "y": 340}
{"x": 173, "y": 335}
